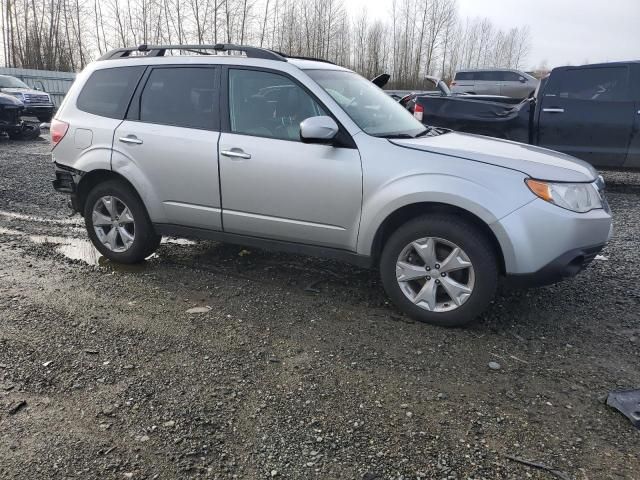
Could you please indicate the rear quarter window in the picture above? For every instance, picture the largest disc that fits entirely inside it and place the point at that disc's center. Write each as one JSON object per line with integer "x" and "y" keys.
{"x": 107, "y": 92}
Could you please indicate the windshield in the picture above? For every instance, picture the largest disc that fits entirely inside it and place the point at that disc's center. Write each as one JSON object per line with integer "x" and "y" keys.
{"x": 11, "y": 82}
{"x": 369, "y": 107}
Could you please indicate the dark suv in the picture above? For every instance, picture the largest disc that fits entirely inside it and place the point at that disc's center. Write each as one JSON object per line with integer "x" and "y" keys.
{"x": 36, "y": 103}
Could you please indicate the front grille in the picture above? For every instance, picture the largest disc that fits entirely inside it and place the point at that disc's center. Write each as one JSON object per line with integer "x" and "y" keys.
{"x": 36, "y": 99}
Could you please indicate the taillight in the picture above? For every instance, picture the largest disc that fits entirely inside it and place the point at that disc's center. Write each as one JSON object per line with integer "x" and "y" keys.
{"x": 418, "y": 110}
{"x": 58, "y": 130}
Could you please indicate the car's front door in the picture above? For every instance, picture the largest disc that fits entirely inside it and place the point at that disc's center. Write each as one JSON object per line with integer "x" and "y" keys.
{"x": 273, "y": 185}
{"x": 171, "y": 136}
{"x": 588, "y": 113}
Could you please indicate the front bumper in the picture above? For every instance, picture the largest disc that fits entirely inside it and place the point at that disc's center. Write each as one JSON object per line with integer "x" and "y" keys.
{"x": 567, "y": 265}
{"x": 542, "y": 243}
{"x": 38, "y": 110}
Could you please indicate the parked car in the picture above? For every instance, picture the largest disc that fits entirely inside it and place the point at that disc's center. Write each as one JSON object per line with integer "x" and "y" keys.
{"x": 590, "y": 111}
{"x": 306, "y": 156}
{"x": 36, "y": 103}
{"x": 11, "y": 123}
{"x": 509, "y": 83}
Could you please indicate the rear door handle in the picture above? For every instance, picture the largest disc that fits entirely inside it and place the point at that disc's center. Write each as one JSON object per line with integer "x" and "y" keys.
{"x": 131, "y": 139}
{"x": 236, "y": 153}
{"x": 553, "y": 110}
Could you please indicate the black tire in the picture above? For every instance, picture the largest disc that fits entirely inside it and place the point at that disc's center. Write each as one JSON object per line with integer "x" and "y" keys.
{"x": 146, "y": 240}
{"x": 27, "y": 132}
{"x": 462, "y": 233}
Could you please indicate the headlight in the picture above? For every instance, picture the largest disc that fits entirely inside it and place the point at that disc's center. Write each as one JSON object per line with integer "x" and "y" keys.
{"x": 18, "y": 95}
{"x": 577, "y": 197}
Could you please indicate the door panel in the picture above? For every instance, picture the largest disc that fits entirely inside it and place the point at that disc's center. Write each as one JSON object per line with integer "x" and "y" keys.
{"x": 181, "y": 164}
{"x": 171, "y": 135}
{"x": 273, "y": 185}
{"x": 291, "y": 191}
{"x": 587, "y": 113}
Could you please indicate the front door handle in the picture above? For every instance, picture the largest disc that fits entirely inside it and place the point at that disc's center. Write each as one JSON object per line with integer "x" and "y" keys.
{"x": 553, "y": 110}
{"x": 131, "y": 139}
{"x": 235, "y": 153}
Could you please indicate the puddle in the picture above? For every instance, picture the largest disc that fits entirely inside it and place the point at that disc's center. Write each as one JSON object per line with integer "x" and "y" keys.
{"x": 83, "y": 250}
{"x": 33, "y": 218}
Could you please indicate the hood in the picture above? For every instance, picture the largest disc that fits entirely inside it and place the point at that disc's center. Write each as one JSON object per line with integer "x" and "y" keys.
{"x": 21, "y": 90}
{"x": 7, "y": 100}
{"x": 536, "y": 162}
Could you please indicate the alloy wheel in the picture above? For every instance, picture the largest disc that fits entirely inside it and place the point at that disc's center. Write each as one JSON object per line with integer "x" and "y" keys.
{"x": 435, "y": 274}
{"x": 113, "y": 223}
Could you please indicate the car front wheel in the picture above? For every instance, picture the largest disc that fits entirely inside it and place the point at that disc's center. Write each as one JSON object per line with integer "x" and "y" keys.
{"x": 440, "y": 269}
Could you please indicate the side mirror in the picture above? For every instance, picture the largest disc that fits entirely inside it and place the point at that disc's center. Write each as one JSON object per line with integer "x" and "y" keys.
{"x": 522, "y": 80}
{"x": 381, "y": 80}
{"x": 318, "y": 130}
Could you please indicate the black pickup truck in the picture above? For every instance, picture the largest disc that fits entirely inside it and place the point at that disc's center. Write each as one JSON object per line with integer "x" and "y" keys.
{"x": 591, "y": 112}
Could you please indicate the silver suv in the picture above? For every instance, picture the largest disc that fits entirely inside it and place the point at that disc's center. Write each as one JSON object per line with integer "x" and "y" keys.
{"x": 509, "y": 83}
{"x": 293, "y": 154}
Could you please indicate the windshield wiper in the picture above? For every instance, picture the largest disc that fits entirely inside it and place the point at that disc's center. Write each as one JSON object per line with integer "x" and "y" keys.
{"x": 424, "y": 132}
{"x": 395, "y": 135}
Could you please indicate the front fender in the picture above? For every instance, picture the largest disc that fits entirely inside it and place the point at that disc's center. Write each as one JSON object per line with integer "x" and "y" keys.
{"x": 487, "y": 201}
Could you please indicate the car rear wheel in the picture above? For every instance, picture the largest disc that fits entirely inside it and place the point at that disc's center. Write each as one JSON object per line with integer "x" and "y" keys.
{"x": 440, "y": 270}
{"x": 118, "y": 224}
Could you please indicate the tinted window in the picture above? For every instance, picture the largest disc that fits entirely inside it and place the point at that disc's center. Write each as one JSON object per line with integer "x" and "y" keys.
{"x": 107, "y": 92}
{"x": 183, "y": 97}
{"x": 511, "y": 77}
{"x": 599, "y": 84}
{"x": 464, "y": 76}
{"x": 268, "y": 105}
{"x": 489, "y": 76}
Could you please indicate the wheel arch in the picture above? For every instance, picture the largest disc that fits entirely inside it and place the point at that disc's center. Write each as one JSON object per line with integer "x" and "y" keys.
{"x": 95, "y": 177}
{"x": 407, "y": 212}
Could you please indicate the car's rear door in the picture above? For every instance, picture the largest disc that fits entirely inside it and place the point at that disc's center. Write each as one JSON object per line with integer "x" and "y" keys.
{"x": 169, "y": 143}
{"x": 513, "y": 85}
{"x": 273, "y": 185}
{"x": 588, "y": 112}
{"x": 633, "y": 156}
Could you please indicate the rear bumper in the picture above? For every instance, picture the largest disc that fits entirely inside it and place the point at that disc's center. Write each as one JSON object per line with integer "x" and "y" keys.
{"x": 66, "y": 181}
{"x": 567, "y": 265}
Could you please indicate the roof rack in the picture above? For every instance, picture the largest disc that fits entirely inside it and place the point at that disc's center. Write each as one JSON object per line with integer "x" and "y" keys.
{"x": 160, "y": 50}
{"x": 303, "y": 58}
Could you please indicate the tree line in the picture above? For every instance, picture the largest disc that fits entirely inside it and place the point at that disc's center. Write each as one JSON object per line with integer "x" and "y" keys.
{"x": 417, "y": 38}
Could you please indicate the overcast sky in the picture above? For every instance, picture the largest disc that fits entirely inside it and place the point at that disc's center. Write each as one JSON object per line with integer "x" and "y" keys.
{"x": 562, "y": 31}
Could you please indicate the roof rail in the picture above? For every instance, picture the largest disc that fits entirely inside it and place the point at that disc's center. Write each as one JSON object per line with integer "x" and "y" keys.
{"x": 160, "y": 50}
{"x": 303, "y": 58}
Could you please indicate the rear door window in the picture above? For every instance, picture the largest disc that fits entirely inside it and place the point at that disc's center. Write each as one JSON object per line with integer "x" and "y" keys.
{"x": 597, "y": 84}
{"x": 181, "y": 97}
{"x": 489, "y": 76}
{"x": 511, "y": 77}
{"x": 107, "y": 92}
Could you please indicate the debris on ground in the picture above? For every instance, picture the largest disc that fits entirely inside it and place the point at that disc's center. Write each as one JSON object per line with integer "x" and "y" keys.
{"x": 539, "y": 466}
{"x": 626, "y": 402}
{"x": 16, "y": 406}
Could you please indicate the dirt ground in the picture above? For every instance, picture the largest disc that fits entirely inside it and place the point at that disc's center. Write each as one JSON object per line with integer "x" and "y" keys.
{"x": 297, "y": 367}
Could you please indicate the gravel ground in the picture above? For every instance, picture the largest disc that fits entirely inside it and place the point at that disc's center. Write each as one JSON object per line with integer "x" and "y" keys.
{"x": 296, "y": 367}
